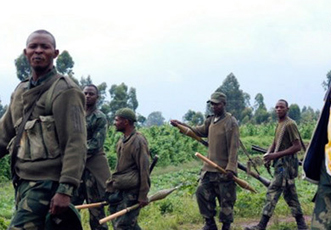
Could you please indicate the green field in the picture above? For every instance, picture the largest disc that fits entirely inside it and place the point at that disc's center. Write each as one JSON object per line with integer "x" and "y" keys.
{"x": 179, "y": 210}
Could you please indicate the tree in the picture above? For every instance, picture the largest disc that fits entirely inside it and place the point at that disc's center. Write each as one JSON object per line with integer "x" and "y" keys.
{"x": 261, "y": 114}
{"x": 23, "y": 69}
{"x": 140, "y": 120}
{"x": 326, "y": 83}
{"x": 235, "y": 96}
{"x": 308, "y": 115}
{"x": 64, "y": 63}
{"x": 294, "y": 112}
{"x": 193, "y": 118}
{"x": 155, "y": 119}
{"x": 121, "y": 97}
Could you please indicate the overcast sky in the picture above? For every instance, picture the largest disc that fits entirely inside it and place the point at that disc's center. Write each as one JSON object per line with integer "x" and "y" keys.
{"x": 176, "y": 53}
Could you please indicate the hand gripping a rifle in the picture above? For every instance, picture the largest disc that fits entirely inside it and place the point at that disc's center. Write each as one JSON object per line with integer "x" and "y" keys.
{"x": 267, "y": 165}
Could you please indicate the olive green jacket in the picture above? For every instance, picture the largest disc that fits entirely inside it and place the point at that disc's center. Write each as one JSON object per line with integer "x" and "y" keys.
{"x": 53, "y": 146}
{"x": 223, "y": 139}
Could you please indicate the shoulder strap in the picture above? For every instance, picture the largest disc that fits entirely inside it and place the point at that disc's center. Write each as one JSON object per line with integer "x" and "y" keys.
{"x": 48, "y": 102}
{"x": 20, "y": 129}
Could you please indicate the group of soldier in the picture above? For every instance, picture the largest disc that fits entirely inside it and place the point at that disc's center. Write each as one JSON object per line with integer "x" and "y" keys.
{"x": 55, "y": 136}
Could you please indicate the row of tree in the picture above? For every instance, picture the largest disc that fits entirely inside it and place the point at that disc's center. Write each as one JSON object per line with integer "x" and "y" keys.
{"x": 123, "y": 96}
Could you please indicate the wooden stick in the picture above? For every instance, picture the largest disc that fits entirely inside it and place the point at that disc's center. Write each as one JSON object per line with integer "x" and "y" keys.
{"x": 240, "y": 182}
{"x": 157, "y": 196}
{"x": 117, "y": 214}
{"x": 93, "y": 205}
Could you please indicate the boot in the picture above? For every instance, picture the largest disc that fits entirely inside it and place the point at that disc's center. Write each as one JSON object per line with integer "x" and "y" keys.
{"x": 262, "y": 224}
{"x": 226, "y": 226}
{"x": 301, "y": 222}
{"x": 210, "y": 224}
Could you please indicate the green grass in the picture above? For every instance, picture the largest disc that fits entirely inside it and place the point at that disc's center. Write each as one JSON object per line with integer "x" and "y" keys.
{"x": 179, "y": 210}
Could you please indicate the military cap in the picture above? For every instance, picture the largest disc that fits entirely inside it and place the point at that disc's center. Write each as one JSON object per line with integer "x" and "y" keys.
{"x": 217, "y": 97}
{"x": 68, "y": 220}
{"x": 126, "y": 113}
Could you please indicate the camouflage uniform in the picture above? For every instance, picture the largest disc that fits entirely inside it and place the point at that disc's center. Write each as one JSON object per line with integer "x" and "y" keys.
{"x": 214, "y": 185}
{"x": 97, "y": 171}
{"x": 223, "y": 136}
{"x": 52, "y": 153}
{"x": 286, "y": 169}
{"x": 128, "y": 221}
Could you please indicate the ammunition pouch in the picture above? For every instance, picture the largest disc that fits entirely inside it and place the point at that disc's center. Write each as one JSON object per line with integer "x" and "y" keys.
{"x": 39, "y": 140}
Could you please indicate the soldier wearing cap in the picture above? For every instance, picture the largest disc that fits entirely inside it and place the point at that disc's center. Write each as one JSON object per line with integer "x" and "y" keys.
{"x": 222, "y": 132}
{"x": 130, "y": 182}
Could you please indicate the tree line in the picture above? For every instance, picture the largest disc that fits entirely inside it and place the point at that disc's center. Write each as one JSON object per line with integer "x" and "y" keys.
{"x": 124, "y": 96}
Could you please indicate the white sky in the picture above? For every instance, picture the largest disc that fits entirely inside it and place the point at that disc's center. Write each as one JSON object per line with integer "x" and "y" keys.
{"x": 176, "y": 53}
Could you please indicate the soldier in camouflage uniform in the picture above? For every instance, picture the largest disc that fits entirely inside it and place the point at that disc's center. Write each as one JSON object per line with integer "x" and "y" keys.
{"x": 223, "y": 136}
{"x": 50, "y": 159}
{"x": 282, "y": 152}
{"x": 318, "y": 156}
{"x": 130, "y": 182}
{"x": 97, "y": 171}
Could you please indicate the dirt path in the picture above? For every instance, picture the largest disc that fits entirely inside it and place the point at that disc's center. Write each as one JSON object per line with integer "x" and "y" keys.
{"x": 241, "y": 224}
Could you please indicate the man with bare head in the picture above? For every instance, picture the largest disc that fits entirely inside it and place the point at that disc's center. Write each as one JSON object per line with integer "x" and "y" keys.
{"x": 44, "y": 131}
{"x": 283, "y": 153}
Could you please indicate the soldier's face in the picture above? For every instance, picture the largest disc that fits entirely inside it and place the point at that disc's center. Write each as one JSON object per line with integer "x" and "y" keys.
{"x": 281, "y": 109}
{"x": 91, "y": 96}
{"x": 119, "y": 123}
{"x": 217, "y": 108}
{"x": 40, "y": 52}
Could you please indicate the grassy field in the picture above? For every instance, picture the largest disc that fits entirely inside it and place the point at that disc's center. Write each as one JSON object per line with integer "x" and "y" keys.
{"x": 179, "y": 210}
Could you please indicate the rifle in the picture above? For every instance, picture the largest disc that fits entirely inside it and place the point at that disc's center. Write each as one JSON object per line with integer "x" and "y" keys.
{"x": 263, "y": 180}
{"x": 249, "y": 159}
{"x": 262, "y": 150}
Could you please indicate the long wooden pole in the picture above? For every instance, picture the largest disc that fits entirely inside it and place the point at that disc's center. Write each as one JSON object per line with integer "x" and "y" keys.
{"x": 157, "y": 196}
{"x": 240, "y": 182}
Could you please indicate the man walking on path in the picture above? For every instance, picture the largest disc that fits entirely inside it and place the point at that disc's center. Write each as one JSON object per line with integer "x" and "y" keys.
{"x": 282, "y": 152}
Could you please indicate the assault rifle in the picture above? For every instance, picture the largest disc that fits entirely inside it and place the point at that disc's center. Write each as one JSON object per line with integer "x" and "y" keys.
{"x": 262, "y": 150}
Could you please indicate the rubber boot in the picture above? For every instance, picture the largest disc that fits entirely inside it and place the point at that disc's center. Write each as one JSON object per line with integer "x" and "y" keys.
{"x": 262, "y": 224}
{"x": 210, "y": 224}
{"x": 226, "y": 226}
{"x": 301, "y": 222}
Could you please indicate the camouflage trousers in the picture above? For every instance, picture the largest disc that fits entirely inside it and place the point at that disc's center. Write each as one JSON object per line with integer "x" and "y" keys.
{"x": 214, "y": 185}
{"x": 129, "y": 220}
{"x": 32, "y": 204}
{"x": 322, "y": 212}
{"x": 282, "y": 184}
{"x": 91, "y": 192}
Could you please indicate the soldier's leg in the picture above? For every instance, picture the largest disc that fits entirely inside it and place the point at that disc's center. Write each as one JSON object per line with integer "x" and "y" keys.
{"x": 32, "y": 202}
{"x": 127, "y": 221}
{"x": 93, "y": 195}
{"x": 227, "y": 199}
{"x": 322, "y": 211}
{"x": 206, "y": 195}
{"x": 291, "y": 198}
{"x": 274, "y": 191}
